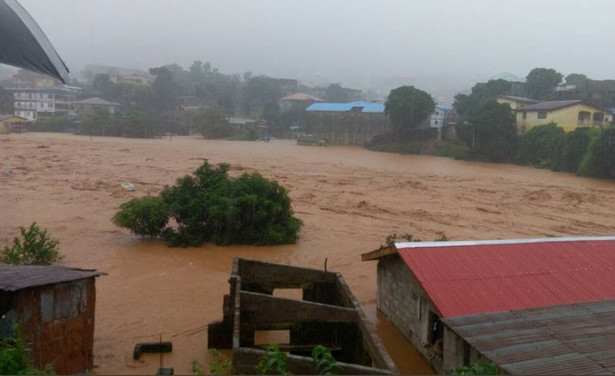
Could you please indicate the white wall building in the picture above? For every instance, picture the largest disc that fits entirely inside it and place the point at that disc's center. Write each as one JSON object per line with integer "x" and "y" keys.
{"x": 440, "y": 115}
{"x": 33, "y": 104}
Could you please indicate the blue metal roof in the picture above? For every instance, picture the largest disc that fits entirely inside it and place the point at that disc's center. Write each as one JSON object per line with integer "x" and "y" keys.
{"x": 345, "y": 107}
{"x": 444, "y": 108}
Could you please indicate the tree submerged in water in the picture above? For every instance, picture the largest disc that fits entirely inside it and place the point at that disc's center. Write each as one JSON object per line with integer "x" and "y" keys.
{"x": 209, "y": 206}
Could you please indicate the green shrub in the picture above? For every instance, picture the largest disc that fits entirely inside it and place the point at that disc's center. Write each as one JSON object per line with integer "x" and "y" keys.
{"x": 14, "y": 359}
{"x": 146, "y": 216}
{"x": 208, "y": 206}
{"x": 539, "y": 147}
{"x": 571, "y": 149}
{"x": 494, "y": 134}
{"x": 36, "y": 247}
{"x": 480, "y": 368}
{"x": 599, "y": 161}
{"x": 53, "y": 124}
{"x": 451, "y": 150}
{"x": 273, "y": 362}
{"x": 324, "y": 362}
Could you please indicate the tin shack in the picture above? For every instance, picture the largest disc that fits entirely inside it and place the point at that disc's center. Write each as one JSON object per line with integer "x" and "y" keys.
{"x": 55, "y": 307}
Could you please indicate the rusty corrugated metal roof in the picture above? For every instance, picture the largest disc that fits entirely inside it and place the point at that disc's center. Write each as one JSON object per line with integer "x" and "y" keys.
{"x": 465, "y": 278}
{"x": 573, "y": 339}
{"x": 17, "y": 277}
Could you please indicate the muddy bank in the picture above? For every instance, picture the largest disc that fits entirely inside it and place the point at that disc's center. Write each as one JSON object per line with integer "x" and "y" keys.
{"x": 348, "y": 198}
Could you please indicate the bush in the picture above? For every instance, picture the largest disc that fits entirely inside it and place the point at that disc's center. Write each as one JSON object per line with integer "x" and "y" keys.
{"x": 35, "y": 248}
{"x": 539, "y": 147}
{"x": 599, "y": 160}
{"x": 571, "y": 149}
{"x": 53, "y": 124}
{"x": 146, "y": 216}
{"x": 450, "y": 150}
{"x": 210, "y": 206}
{"x": 14, "y": 359}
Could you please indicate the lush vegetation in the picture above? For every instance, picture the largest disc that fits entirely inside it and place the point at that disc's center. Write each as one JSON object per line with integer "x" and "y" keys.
{"x": 35, "y": 247}
{"x": 209, "y": 206}
{"x": 14, "y": 359}
{"x": 540, "y": 146}
{"x": 407, "y": 107}
{"x": 218, "y": 365}
{"x": 541, "y": 82}
{"x": 480, "y": 368}
{"x": 491, "y": 134}
{"x": 599, "y": 160}
{"x": 99, "y": 122}
{"x": 275, "y": 362}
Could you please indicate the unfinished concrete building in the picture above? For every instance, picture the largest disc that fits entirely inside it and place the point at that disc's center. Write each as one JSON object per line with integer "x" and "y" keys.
{"x": 326, "y": 314}
{"x": 55, "y": 308}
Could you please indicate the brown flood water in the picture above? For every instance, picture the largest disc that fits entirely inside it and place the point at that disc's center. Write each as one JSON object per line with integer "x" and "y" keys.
{"x": 348, "y": 198}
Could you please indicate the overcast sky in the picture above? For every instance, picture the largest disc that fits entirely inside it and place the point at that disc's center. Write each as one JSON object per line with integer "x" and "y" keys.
{"x": 350, "y": 41}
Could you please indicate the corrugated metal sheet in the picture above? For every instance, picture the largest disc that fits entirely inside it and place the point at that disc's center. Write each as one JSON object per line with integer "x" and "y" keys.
{"x": 17, "y": 277}
{"x": 345, "y": 107}
{"x": 465, "y": 280}
{"x": 566, "y": 339}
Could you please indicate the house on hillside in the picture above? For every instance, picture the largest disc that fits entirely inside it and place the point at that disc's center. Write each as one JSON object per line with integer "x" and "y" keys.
{"x": 422, "y": 284}
{"x": 55, "y": 308}
{"x": 239, "y": 122}
{"x": 515, "y": 102}
{"x": 133, "y": 79}
{"x": 297, "y": 102}
{"x": 569, "y": 115}
{"x": 351, "y": 123}
{"x": 569, "y": 339}
{"x": 86, "y": 105}
{"x": 12, "y": 124}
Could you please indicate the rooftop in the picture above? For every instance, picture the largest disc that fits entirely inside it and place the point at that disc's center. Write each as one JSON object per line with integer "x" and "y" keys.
{"x": 301, "y": 97}
{"x": 548, "y": 106}
{"x": 565, "y": 339}
{"x": 17, "y": 277}
{"x": 95, "y": 101}
{"x": 444, "y": 108}
{"x": 346, "y": 107}
{"x": 10, "y": 116}
{"x": 470, "y": 277}
{"x": 518, "y": 99}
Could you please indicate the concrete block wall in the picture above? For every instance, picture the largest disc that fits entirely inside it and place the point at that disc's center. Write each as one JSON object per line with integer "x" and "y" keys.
{"x": 402, "y": 300}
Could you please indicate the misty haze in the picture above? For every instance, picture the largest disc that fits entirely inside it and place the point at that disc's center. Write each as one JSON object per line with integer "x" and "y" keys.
{"x": 292, "y": 187}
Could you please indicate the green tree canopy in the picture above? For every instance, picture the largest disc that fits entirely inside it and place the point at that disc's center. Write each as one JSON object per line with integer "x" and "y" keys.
{"x": 494, "y": 133}
{"x": 407, "y": 107}
{"x": 468, "y": 105}
{"x": 541, "y": 83}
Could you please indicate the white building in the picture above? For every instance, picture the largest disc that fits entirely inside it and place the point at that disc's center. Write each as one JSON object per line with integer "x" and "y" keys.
{"x": 33, "y": 104}
{"x": 440, "y": 116}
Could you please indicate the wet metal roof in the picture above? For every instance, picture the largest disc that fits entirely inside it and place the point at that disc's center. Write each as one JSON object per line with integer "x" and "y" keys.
{"x": 301, "y": 97}
{"x": 346, "y": 107}
{"x": 17, "y": 277}
{"x": 548, "y": 106}
{"x": 573, "y": 339}
{"x": 465, "y": 278}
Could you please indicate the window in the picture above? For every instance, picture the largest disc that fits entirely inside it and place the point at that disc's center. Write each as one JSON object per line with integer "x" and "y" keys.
{"x": 435, "y": 122}
{"x": 524, "y": 115}
{"x": 542, "y": 114}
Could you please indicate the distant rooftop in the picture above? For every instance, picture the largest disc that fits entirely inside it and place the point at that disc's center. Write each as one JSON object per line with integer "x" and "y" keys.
{"x": 548, "y": 106}
{"x": 444, "y": 108}
{"x": 240, "y": 121}
{"x": 95, "y": 101}
{"x": 368, "y": 107}
{"x": 518, "y": 99}
{"x": 301, "y": 97}
{"x": 17, "y": 277}
{"x": 506, "y": 76}
{"x": 9, "y": 116}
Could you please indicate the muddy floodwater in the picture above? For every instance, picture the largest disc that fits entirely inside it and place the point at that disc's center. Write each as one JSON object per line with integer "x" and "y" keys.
{"x": 349, "y": 199}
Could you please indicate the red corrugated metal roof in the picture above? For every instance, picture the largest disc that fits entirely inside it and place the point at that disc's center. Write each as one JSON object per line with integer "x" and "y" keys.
{"x": 468, "y": 279}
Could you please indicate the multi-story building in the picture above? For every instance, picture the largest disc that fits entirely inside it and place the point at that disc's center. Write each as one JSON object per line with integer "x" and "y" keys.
{"x": 33, "y": 104}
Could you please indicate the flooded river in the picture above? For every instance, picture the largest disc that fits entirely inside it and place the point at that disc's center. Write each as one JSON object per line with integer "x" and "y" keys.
{"x": 350, "y": 199}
